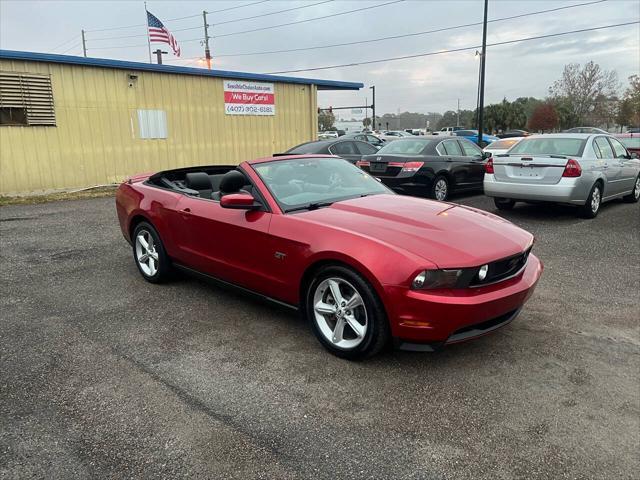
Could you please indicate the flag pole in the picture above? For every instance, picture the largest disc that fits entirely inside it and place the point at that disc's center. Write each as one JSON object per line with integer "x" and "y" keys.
{"x": 148, "y": 39}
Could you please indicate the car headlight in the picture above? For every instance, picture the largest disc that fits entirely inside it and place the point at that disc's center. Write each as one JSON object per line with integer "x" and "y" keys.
{"x": 431, "y": 279}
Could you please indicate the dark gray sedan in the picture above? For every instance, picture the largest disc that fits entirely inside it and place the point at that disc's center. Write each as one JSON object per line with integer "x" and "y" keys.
{"x": 428, "y": 166}
{"x": 351, "y": 150}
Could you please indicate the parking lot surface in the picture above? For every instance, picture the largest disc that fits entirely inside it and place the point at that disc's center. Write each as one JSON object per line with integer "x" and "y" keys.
{"x": 106, "y": 376}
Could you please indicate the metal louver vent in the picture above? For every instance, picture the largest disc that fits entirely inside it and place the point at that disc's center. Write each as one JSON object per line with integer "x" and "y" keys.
{"x": 30, "y": 92}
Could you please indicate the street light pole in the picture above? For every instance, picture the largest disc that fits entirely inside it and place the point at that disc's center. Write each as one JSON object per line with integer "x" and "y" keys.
{"x": 207, "y": 51}
{"x": 373, "y": 108}
{"x": 483, "y": 59}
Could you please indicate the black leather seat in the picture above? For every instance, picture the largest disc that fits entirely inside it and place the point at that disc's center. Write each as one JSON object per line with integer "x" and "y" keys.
{"x": 232, "y": 182}
{"x": 199, "y": 181}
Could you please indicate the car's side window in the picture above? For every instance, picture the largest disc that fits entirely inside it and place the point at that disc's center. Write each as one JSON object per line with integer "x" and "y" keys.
{"x": 344, "y": 148}
{"x": 618, "y": 148}
{"x": 452, "y": 148}
{"x": 358, "y": 137}
{"x": 603, "y": 145}
{"x": 469, "y": 149}
{"x": 440, "y": 149}
{"x": 366, "y": 149}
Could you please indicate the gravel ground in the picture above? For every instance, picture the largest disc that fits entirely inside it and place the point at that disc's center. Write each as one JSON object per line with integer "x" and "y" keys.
{"x": 106, "y": 376}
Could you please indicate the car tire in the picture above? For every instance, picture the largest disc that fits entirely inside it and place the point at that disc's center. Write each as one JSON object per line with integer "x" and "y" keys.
{"x": 149, "y": 254}
{"x": 592, "y": 206}
{"x": 440, "y": 188}
{"x": 634, "y": 196}
{"x": 348, "y": 331}
{"x": 504, "y": 203}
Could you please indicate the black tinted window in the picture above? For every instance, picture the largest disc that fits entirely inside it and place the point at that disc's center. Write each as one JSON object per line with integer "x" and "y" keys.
{"x": 344, "y": 148}
{"x": 312, "y": 147}
{"x": 365, "y": 148}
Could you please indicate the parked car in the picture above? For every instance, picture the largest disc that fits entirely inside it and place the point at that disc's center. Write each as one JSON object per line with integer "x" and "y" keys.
{"x": 351, "y": 150}
{"x": 391, "y": 135}
{"x": 513, "y": 133}
{"x": 366, "y": 137}
{"x": 501, "y": 145}
{"x": 586, "y": 130}
{"x": 472, "y": 135}
{"x": 428, "y": 166}
{"x": 447, "y": 131}
{"x": 576, "y": 169}
{"x": 364, "y": 266}
{"x": 631, "y": 141}
{"x": 327, "y": 135}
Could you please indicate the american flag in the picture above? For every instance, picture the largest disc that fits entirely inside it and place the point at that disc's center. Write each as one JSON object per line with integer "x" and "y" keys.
{"x": 159, "y": 33}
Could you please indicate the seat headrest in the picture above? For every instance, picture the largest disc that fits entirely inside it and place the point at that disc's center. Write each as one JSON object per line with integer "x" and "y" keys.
{"x": 197, "y": 181}
{"x": 232, "y": 182}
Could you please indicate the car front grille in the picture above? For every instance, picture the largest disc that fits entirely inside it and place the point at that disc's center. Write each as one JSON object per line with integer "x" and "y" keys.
{"x": 502, "y": 269}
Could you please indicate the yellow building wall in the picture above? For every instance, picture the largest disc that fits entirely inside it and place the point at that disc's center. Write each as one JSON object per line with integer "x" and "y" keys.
{"x": 96, "y": 140}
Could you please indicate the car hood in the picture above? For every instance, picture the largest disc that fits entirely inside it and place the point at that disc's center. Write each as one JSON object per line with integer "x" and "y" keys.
{"x": 445, "y": 234}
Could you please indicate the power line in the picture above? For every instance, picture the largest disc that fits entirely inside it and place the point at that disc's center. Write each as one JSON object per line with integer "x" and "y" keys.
{"x": 305, "y": 21}
{"x": 393, "y": 37}
{"x": 462, "y": 49}
{"x": 180, "y": 18}
{"x": 73, "y": 47}
{"x": 75, "y": 37}
{"x": 173, "y": 30}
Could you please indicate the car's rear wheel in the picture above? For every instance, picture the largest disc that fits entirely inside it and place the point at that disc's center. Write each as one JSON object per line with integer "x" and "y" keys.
{"x": 149, "y": 254}
{"x": 346, "y": 314}
{"x": 504, "y": 203}
{"x": 634, "y": 196}
{"x": 440, "y": 188}
{"x": 592, "y": 206}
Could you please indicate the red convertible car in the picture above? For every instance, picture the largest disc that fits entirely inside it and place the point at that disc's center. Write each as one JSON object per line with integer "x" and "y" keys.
{"x": 365, "y": 266}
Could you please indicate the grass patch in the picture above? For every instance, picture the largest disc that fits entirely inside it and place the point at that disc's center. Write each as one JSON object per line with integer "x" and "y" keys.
{"x": 55, "y": 197}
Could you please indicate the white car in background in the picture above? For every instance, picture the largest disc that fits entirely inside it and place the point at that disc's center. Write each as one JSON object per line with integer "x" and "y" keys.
{"x": 501, "y": 146}
{"x": 390, "y": 135}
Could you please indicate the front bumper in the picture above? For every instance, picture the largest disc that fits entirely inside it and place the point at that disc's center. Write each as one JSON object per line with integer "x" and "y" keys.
{"x": 428, "y": 320}
{"x": 567, "y": 190}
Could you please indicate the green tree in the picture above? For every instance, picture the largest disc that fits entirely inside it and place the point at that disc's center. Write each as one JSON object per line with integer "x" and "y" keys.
{"x": 366, "y": 122}
{"x": 326, "y": 120}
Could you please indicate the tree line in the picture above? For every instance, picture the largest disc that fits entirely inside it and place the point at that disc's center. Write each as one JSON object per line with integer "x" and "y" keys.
{"x": 582, "y": 96}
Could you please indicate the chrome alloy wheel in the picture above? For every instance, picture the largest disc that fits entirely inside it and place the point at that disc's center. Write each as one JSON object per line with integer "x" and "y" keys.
{"x": 636, "y": 191}
{"x": 441, "y": 189}
{"x": 595, "y": 199}
{"x": 339, "y": 313}
{"x": 146, "y": 254}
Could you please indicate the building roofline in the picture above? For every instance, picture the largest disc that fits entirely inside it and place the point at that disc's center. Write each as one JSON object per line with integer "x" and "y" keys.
{"x": 150, "y": 67}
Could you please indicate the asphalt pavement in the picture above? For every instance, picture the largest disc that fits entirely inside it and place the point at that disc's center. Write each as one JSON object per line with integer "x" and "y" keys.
{"x": 103, "y": 375}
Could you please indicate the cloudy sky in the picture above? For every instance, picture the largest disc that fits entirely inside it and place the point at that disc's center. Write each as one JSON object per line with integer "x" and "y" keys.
{"x": 422, "y": 84}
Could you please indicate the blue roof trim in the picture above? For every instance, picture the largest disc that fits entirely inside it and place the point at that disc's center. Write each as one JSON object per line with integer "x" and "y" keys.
{"x": 150, "y": 67}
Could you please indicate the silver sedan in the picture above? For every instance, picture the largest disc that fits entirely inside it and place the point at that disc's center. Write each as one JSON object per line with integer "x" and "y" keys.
{"x": 577, "y": 169}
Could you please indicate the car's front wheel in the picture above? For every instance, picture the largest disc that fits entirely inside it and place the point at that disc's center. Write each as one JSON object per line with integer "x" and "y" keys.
{"x": 634, "y": 196}
{"x": 346, "y": 314}
{"x": 149, "y": 254}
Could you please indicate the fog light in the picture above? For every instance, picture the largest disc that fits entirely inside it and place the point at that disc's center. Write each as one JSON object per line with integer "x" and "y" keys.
{"x": 418, "y": 282}
{"x": 482, "y": 273}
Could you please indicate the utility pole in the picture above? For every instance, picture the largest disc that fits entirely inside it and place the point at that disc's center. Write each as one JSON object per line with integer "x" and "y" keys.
{"x": 159, "y": 53}
{"x": 84, "y": 44}
{"x": 373, "y": 108}
{"x": 207, "y": 52}
{"x": 483, "y": 65}
{"x": 458, "y": 115}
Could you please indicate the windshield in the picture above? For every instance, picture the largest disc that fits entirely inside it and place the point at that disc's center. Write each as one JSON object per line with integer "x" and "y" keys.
{"x": 297, "y": 183}
{"x": 406, "y": 147}
{"x": 631, "y": 142}
{"x": 502, "y": 144}
{"x": 550, "y": 146}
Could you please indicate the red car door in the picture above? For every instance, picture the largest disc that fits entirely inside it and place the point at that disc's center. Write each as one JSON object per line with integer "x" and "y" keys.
{"x": 232, "y": 245}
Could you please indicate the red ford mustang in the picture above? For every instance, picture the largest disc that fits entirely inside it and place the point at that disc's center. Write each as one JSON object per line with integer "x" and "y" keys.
{"x": 365, "y": 265}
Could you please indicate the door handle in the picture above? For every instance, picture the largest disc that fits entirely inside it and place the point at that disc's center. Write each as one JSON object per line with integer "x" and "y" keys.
{"x": 185, "y": 210}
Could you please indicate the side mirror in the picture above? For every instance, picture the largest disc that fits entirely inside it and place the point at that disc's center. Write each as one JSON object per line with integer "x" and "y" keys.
{"x": 239, "y": 201}
{"x": 486, "y": 155}
{"x": 633, "y": 155}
